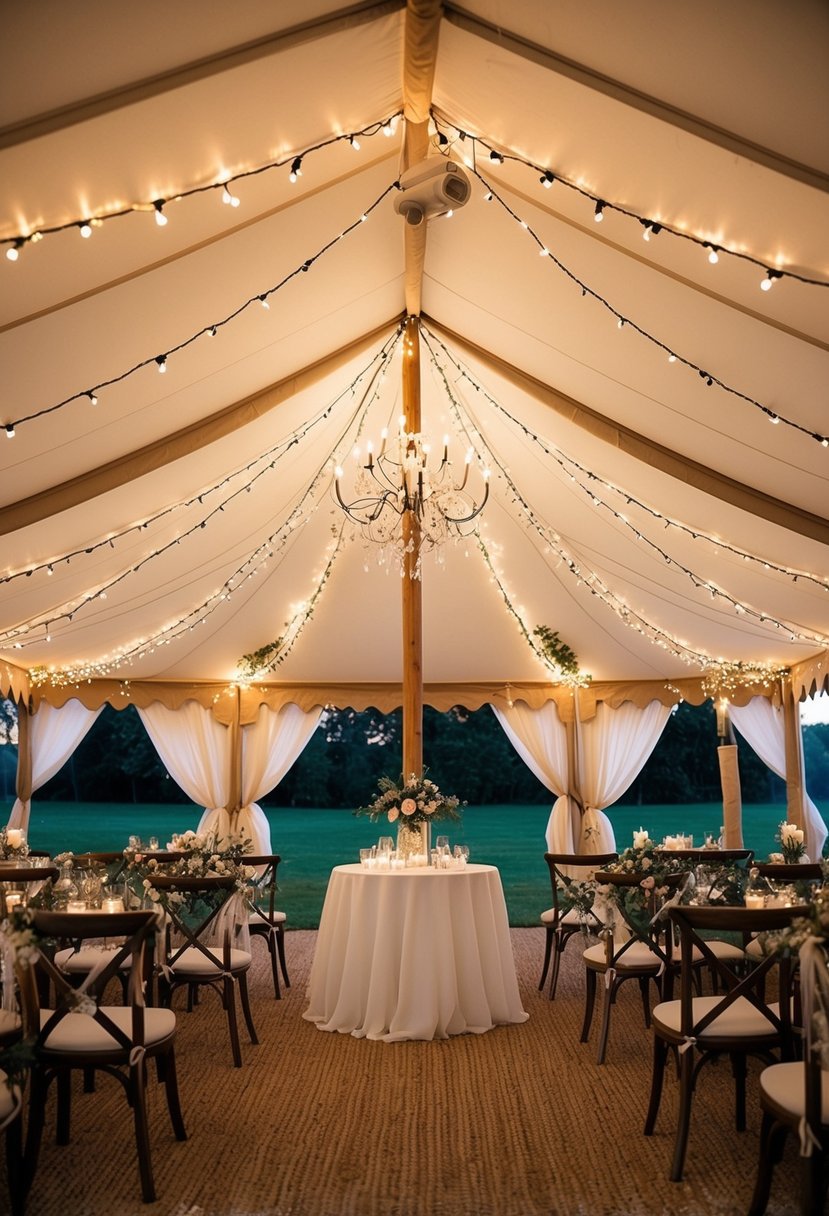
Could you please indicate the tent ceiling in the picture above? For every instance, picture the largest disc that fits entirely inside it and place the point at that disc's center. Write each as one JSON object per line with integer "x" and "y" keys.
{"x": 711, "y": 122}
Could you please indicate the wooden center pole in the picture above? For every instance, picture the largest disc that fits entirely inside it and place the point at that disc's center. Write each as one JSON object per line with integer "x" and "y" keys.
{"x": 412, "y": 587}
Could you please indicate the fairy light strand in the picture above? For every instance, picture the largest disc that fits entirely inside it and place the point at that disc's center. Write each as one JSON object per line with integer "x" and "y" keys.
{"x": 275, "y": 453}
{"x": 624, "y": 321}
{"x": 580, "y": 570}
{"x": 567, "y": 462}
{"x": 211, "y": 329}
{"x": 650, "y": 227}
{"x": 17, "y": 242}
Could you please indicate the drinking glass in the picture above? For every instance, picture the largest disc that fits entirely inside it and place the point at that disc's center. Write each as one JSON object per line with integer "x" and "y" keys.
{"x": 153, "y": 844}
{"x": 461, "y": 852}
{"x": 442, "y": 844}
{"x": 366, "y": 856}
{"x": 385, "y": 844}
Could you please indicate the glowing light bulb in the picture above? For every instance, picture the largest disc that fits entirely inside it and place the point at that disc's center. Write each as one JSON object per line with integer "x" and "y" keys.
{"x": 713, "y": 256}
{"x": 230, "y": 198}
{"x": 160, "y": 217}
{"x": 85, "y": 229}
{"x": 598, "y": 214}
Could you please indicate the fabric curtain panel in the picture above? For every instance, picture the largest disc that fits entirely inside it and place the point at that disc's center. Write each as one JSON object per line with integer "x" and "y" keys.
{"x": 540, "y": 738}
{"x": 762, "y": 726}
{"x": 613, "y": 748}
{"x": 55, "y": 735}
{"x": 270, "y": 746}
{"x": 195, "y": 750}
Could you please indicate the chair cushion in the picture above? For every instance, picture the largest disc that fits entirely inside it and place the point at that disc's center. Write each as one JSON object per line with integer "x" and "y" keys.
{"x": 548, "y": 917}
{"x": 637, "y": 955}
{"x": 10, "y": 1097}
{"x": 740, "y": 1020}
{"x": 193, "y": 962}
{"x": 725, "y": 951}
{"x": 754, "y": 949}
{"x": 257, "y": 918}
{"x": 80, "y": 1032}
{"x": 784, "y": 1085}
{"x": 79, "y": 962}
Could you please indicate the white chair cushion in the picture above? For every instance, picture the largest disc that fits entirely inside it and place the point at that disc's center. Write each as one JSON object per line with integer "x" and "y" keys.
{"x": 784, "y": 1085}
{"x": 754, "y": 949}
{"x": 10, "y": 1097}
{"x": 278, "y": 918}
{"x": 193, "y": 962}
{"x": 9, "y": 1021}
{"x": 725, "y": 951}
{"x": 80, "y": 1032}
{"x": 637, "y": 955}
{"x": 548, "y": 917}
{"x": 79, "y": 962}
{"x": 740, "y": 1020}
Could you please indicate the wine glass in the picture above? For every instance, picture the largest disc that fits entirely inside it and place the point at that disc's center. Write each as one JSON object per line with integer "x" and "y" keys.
{"x": 385, "y": 844}
{"x": 442, "y": 845}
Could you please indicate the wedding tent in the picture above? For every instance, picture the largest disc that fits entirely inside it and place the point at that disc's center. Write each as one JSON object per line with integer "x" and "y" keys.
{"x": 202, "y": 298}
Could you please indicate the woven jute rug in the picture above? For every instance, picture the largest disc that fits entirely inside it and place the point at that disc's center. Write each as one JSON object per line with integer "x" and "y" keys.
{"x": 516, "y": 1122}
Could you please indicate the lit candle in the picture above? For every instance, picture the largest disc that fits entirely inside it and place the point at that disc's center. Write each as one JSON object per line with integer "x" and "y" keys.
{"x": 755, "y": 899}
{"x": 14, "y": 837}
{"x": 13, "y": 900}
{"x": 640, "y": 838}
{"x": 76, "y": 905}
{"x": 112, "y": 904}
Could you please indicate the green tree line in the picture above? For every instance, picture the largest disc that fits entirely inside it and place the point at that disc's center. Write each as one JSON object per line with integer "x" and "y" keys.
{"x": 467, "y": 754}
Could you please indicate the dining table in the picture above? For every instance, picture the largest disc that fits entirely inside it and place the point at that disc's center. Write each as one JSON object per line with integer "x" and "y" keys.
{"x": 414, "y": 953}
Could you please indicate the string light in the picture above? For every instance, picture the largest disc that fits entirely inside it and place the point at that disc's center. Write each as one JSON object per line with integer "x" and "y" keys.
{"x": 296, "y": 168}
{"x": 373, "y": 372}
{"x": 17, "y": 243}
{"x": 598, "y": 214}
{"x": 85, "y": 229}
{"x": 708, "y": 377}
{"x": 547, "y": 177}
{"x": 698, "y": 581}
{"x": 212, "y": 328}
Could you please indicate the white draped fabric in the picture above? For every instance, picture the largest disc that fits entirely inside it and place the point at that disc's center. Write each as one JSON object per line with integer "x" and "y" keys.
{"x": 197, "y": 752}
{"x": 194, "y": 748}
{"x": 540, "y": 738}
{"x": 55, "y": 733}
{"x": 270, "y": 746}
{"x": 613, "y": 749}
{"x": 761, "y": 725}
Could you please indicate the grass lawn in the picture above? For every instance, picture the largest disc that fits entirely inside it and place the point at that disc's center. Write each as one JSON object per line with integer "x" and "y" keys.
{"x": 311, "y": 841}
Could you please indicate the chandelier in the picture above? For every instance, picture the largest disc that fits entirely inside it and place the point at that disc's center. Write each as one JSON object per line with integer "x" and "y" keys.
{"x": 399, "y": 482}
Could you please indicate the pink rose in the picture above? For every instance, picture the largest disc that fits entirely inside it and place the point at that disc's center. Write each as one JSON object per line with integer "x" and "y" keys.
{"x": 408, "y": 806}
{"x": 393, "y": 813}
{"x": 648, "y": 883}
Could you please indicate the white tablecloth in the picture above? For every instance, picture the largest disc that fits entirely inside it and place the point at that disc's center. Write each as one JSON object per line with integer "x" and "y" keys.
{"x": 413, "y": 954}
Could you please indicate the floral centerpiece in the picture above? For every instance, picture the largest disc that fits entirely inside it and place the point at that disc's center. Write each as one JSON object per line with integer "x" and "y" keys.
{"x": 791, "y": 843}
{"x": 13, "y": 844}
{"x": 645, "y": 859}
{"x": 412, "y": 803}
{"x": 193, "y": 855}
{"x": 808, "y": 936}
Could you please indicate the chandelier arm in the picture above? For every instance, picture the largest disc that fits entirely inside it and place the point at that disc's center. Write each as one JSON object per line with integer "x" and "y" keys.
{"x": 465, "y": 519}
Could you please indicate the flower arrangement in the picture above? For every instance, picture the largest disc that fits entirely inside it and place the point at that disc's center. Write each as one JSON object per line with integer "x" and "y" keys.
{"x": 642, "y": 858}
{"x": 202, "y": 856}
{"x": 791, "y": 843}
{"x": 13, "y": 843}
{"x": 412, "y": 801}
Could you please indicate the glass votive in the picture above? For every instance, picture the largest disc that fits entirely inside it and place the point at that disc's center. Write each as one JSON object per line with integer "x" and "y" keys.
{"x": 366, "y": 855}
{"x": 76, "y": 905}
{"x": 434, "y": 857}
{"x": 14, "y": 899}
{"x": 153, "y": 844}
{"x": 755, "y": 899}
{"x": 112, "y": 903}
{"x": 398, "y": 863}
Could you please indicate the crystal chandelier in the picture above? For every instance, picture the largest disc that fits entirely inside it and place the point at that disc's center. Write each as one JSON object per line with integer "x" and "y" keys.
{"x": 399, "y": 482}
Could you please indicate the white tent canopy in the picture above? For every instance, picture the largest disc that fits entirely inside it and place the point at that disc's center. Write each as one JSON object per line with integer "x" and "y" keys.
{"x": 632, "y": 503}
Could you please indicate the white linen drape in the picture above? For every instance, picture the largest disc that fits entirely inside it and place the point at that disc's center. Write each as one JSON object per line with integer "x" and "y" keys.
{"x": 55, "y": 733}
{"x": 612, "y": 749}
{"x": 196, "y": 750}
{"x": 762, "y": 726}
{"x": 540, "y": 738}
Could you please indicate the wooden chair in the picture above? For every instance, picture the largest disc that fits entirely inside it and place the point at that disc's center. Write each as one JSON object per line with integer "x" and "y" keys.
{"x": 737, "y": 1023}
{"x": 632, "y": 949}
{"x": 198, "y": 910}
{"x": 713, "y": 857}
{"x": 563, "y": 919}
{"x": 80, "y": 1032}
{"x": 11, "y": 1115}
{"x": 794, "y": 1096}
{"x": 265, "y": 920}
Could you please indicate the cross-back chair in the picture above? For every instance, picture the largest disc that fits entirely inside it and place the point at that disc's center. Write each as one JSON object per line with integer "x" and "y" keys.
{"x": 265, "y": 920}
{"x": 794, "y": 1097}
{"x": 564, "y": 919}
{"x": 632, "y": 947}
{"x": 737, "y": 1022}
{"x": 206, "y": 945}
{"x": 11, "y": 1110}
{"x": 79, "y": 1031}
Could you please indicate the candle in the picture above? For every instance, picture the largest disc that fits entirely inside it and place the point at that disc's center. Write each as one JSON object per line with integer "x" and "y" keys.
{"x": 76, "y": 905}
{"x": 640, "y": 838}
{"x": 13, "y": 900}
{"x": 112, "y": 904}
{"x": 14, "y": 837}
{"x": 754, "y": 899}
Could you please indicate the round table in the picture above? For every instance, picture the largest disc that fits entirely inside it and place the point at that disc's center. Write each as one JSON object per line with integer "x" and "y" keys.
{"x": 419, "y": 953}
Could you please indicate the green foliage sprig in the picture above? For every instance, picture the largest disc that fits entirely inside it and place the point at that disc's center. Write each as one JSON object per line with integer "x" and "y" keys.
{"x": 560, "y": 655}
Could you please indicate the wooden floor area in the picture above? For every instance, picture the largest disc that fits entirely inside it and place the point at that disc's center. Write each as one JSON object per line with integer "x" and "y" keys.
{"x": 516, "y": 1122}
